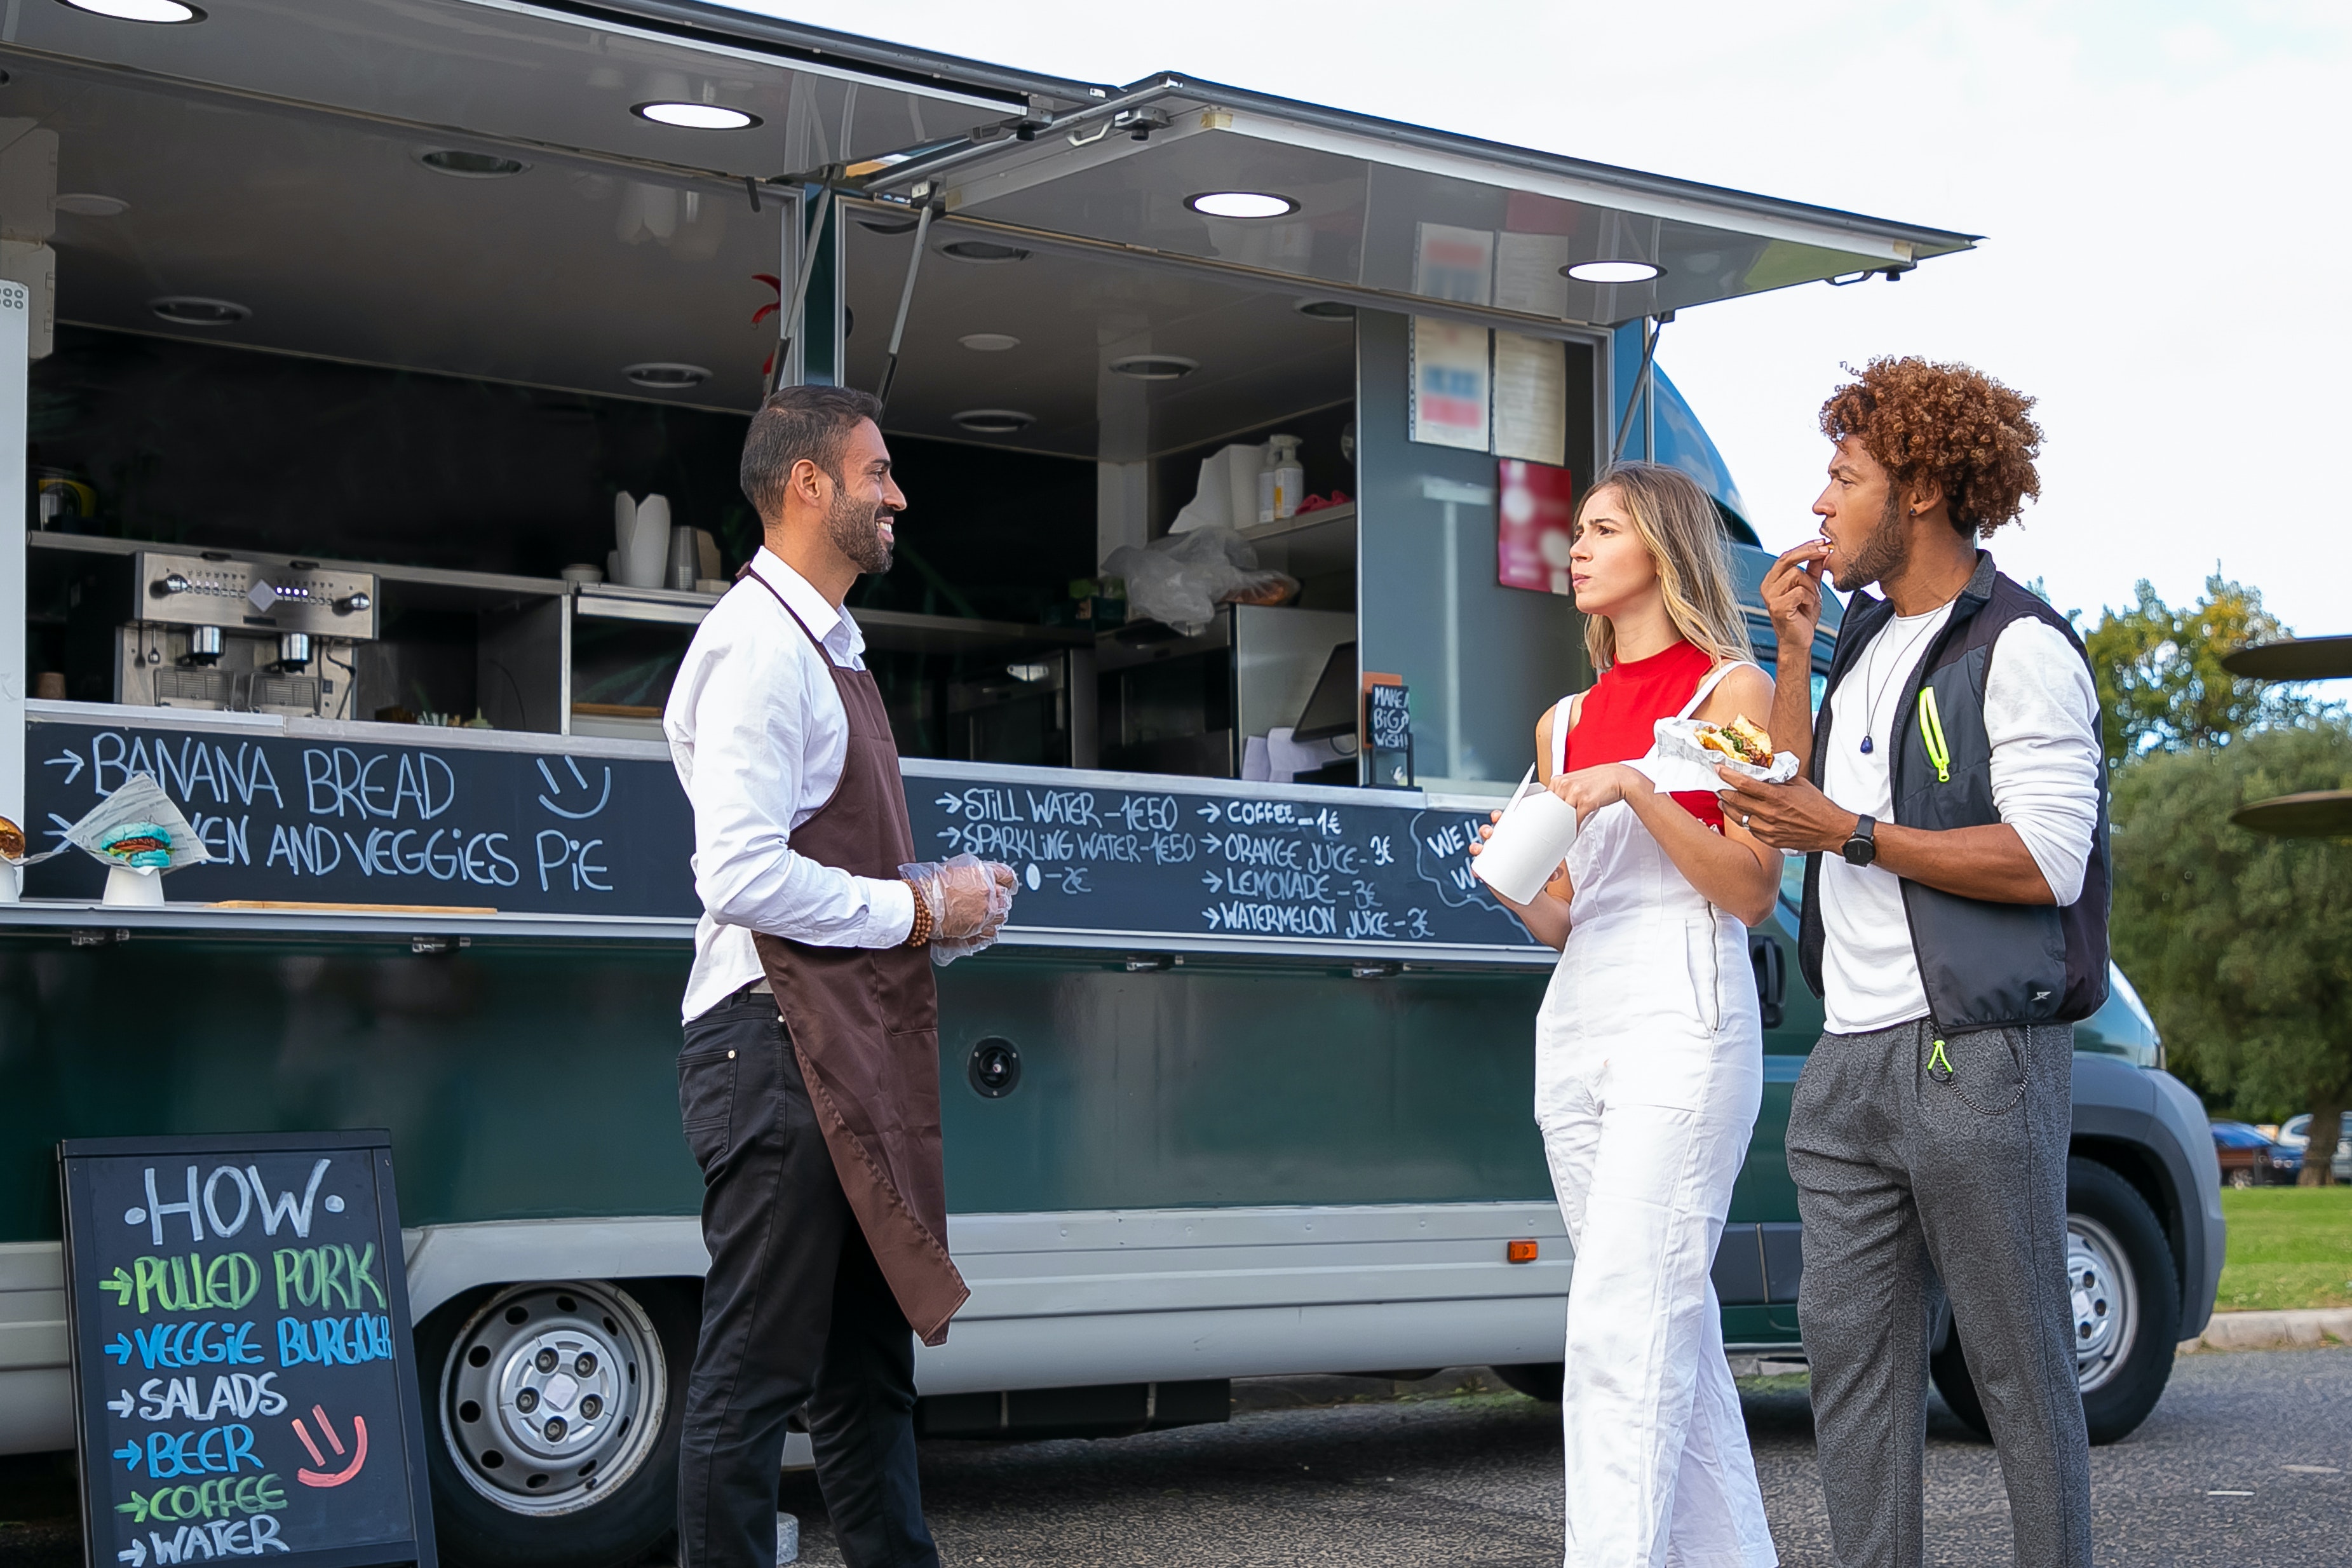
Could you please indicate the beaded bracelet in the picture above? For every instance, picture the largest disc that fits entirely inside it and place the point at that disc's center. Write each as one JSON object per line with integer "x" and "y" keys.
{"x": 920, "y": 936}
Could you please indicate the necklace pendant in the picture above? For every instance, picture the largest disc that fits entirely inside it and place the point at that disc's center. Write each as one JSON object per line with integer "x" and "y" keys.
{"x": 1866, "y": 747}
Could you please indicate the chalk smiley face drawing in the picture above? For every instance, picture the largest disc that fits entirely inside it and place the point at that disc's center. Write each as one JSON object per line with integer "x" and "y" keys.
{"x": 322, "y": 1476}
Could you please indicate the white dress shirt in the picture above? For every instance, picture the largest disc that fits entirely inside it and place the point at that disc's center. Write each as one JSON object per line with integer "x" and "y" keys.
{"x": 2042, "y": 715}
{"x": 757, "y": 732}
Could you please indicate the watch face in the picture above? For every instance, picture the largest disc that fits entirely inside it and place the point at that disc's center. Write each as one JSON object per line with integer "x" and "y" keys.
{"x": 1860, "y": 851}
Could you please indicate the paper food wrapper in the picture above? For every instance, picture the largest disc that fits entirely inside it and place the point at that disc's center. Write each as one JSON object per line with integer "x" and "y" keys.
{"x": 1678, "y": 763}
{"x": 142, "y": 807}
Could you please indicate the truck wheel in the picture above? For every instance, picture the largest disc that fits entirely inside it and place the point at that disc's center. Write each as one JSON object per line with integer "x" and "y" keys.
{"x": 2127, "y": 1309}
{"x": 554, "y": 1410}
{"x": 1536, "y": 1380}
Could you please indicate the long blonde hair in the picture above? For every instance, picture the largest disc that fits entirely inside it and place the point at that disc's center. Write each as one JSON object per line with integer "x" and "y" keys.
{"x": 1686, "y": 538}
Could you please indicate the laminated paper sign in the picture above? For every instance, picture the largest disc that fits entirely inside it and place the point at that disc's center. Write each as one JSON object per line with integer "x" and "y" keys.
{"x": 1530, "y": 398}
{"x": 1452, "y": 263}
{"x": 1536, "y": 514}
{"x": 1451, "y": 391}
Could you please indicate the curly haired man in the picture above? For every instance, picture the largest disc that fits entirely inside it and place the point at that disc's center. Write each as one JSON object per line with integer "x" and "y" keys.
{"x": 1954, "y": 925}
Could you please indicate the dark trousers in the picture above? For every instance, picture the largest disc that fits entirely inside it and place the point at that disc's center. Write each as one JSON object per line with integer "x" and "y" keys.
{"x": 1921, "y": 1158}
{"x": 794, "y": 1311}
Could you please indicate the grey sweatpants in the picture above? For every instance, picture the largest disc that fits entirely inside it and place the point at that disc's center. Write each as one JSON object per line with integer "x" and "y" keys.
{"x": 1912, "y": 1167}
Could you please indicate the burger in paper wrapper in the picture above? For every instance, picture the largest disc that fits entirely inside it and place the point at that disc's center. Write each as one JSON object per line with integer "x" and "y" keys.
{"x": 1688, "y": 752}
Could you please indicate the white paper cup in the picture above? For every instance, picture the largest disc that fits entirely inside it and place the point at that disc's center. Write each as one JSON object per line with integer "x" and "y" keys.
{"x": 1534, "y": 836}
{"x": 644, "y": 560}
{"x": 133, "y": 887}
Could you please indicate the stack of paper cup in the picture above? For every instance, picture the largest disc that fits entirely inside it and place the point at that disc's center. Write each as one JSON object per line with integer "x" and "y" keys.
{"x": 625, "y": 527}
{"x": 1534, "y": 836}
{"x": 641, "y": 537}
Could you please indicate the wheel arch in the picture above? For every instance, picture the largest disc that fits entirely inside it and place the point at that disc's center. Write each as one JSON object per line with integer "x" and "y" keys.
{"x": 2124, "y": 1121}
{"x": 2144, "y": 1171}
{"x": 446, "y": 1261}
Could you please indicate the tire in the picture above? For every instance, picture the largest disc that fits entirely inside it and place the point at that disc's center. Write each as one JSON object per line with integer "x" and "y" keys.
{"x": 1537, "y": 1380}
{"x": 509, "y": 1490}
{"x": 2126, "y": 1302}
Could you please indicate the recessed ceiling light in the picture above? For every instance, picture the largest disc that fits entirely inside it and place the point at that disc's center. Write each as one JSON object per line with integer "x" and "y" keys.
{"x": 995, "y": 421}
{"x": 165, "y": 11}
{"x": 1327, "y": 309}
{"x": 990, "y": 342}
{"x": 470, "y": 165}
{"x": 1154, "y": 367}
{"x": 665, "y": 376}
{"x": 88, "y": 204}
{"x": 1241, "y": 203}
{"x": 1613, "y": 271}
{"x": 696, "y": 116}
{"x": 984, "y": 251}
{"x": 193, "y": 310}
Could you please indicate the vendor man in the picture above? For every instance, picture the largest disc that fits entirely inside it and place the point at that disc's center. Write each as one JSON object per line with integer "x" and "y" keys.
{"x": 809, "y": 1081}
{"x": 1954, "y": 925}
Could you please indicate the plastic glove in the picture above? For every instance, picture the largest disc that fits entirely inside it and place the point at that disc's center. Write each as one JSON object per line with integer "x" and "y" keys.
{"x": 968, "y": 898}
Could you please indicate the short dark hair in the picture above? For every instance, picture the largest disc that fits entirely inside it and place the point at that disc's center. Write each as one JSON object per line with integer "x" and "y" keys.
{"x": 797, "y": 422}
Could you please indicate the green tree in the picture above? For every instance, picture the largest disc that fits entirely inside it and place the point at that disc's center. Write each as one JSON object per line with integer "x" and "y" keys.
{"x": 2240, "y": 942}
{"x": 2161, "y": 684}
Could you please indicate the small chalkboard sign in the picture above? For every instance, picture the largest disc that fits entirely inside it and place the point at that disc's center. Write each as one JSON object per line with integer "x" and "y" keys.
{"x": 1388, "y": 735}
{"x": 244, "y": 1380}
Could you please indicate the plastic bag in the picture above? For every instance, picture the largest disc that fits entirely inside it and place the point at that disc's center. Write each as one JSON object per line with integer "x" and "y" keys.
{"x": 1183, "y": 578}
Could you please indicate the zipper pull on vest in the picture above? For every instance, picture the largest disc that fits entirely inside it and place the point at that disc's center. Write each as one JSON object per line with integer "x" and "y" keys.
{"x": 1931, "y": 733}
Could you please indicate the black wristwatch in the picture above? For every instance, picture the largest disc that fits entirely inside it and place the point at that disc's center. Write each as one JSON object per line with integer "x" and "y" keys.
{"x": 1862, "y": 848}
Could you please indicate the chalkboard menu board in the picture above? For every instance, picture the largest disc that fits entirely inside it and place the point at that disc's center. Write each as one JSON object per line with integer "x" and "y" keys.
{"x": 243, "y": 1373}
{"x": 1199, "y": 856}
{"x": 317, "y": 820}
{"x": 295, "y": 818}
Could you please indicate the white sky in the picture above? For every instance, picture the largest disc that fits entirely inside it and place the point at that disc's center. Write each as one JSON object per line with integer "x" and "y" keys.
{"x": 2162, "y": 187}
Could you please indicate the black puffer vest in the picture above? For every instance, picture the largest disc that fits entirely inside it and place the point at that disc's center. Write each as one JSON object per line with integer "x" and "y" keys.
{"x": 1985, "y": 966}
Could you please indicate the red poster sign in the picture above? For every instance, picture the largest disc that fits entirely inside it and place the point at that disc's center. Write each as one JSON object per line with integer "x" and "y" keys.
{"x": 1538, "y": 516}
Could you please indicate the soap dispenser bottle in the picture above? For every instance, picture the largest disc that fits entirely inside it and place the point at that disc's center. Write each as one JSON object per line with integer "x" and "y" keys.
{"x": 1283, "y": 484}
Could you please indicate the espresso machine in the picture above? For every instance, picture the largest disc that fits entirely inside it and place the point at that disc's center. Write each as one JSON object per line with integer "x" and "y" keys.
{"x": 237, "y": 634}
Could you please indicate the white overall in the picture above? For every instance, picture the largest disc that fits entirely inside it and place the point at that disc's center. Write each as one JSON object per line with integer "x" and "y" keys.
{"x": 1649, "y": 1072}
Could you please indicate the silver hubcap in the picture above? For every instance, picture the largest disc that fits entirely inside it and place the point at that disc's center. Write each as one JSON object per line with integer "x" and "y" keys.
{"x": 2104, "y": 1302}
{"x": 553, "y": 1394}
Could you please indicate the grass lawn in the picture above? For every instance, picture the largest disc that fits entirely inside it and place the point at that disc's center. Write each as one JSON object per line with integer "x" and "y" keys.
{"x": 2289, "y": 1246}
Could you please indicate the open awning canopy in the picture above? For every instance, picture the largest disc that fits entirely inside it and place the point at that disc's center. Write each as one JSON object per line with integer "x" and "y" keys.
{"x": 473, "y": 188}
{"x": 558, "y": 79}
{"x": 1378, "y": 212}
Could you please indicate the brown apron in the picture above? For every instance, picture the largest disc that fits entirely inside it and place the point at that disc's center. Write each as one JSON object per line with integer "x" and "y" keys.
{"x": 865, "y": 1023}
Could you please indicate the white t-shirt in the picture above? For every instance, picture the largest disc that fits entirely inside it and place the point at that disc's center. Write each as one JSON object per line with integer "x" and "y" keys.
{"x": 2042, "y": 715}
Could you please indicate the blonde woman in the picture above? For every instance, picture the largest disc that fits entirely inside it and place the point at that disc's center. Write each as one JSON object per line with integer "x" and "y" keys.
{"x": 1649, "y": 1055}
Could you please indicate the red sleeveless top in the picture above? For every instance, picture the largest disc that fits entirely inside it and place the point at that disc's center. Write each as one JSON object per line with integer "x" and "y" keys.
{"x": 1617, "y": 721}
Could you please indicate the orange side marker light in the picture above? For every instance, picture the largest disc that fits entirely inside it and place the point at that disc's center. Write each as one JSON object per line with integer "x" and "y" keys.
{"x": 1518, "y": 1252}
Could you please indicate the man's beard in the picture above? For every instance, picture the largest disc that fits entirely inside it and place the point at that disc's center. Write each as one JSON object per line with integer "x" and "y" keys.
{"x": 854, "y": 527}
{"x": 1884, "y": 554}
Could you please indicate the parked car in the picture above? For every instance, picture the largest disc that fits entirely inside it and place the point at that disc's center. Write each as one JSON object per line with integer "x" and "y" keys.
{"x": 2295, "y": 1139}
{"x": 2245, "y": 1154}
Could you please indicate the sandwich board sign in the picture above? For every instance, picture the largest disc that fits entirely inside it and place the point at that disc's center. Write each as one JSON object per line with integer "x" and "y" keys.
{"x": 244, "y": 1383}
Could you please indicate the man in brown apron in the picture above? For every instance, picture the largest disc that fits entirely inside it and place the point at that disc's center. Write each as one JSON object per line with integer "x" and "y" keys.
{"x": 809, "y": 1081}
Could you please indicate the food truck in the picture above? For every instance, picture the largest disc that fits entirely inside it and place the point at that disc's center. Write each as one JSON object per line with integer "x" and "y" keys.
{"x": 378, "y": 371}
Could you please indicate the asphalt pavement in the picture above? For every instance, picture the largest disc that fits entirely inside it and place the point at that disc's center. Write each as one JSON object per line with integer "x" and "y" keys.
{"x": 2246, "y": 1460}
